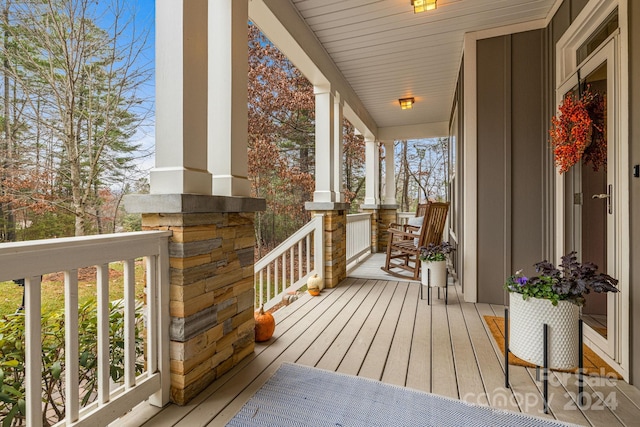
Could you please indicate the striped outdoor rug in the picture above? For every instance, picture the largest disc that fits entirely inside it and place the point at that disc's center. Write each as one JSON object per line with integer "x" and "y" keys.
{"x": 298, "y": 395}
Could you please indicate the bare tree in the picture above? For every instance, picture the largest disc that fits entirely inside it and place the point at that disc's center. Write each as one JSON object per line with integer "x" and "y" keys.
{"x": 421, "y": 166}
{"x": 81, "y": 66}
{"x": 430, "y": 175}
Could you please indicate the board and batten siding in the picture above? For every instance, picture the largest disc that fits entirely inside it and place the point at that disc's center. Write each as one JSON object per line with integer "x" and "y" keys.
{"x": 511, "y": 147}
{"x": 516, "y": 99}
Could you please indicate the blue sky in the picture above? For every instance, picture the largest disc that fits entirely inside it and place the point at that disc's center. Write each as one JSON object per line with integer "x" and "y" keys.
{"x": 145, "y": 19}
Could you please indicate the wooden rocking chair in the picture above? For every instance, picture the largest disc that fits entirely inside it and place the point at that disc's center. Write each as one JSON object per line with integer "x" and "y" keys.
{"x": 403, "y": 246}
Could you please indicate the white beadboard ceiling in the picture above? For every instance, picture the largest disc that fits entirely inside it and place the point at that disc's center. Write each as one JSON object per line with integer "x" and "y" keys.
{"x": 386, "y": 52}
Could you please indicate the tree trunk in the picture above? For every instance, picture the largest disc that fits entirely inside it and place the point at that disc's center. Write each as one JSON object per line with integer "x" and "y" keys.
{"x": 8, "y": 164}
{"x": 75, "y": 173}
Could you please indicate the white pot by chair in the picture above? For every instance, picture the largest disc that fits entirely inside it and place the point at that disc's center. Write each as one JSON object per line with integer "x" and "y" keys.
{"x": 437, "y": 270}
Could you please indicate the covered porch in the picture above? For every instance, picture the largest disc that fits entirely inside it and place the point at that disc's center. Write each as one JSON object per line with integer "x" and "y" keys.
{"x": 381, "y": 329}
{"x": 487, "y": 74}
{"x": 202, "y": 354}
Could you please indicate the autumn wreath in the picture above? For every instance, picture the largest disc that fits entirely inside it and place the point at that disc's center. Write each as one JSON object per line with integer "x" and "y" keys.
{"x": 579, "y": 131}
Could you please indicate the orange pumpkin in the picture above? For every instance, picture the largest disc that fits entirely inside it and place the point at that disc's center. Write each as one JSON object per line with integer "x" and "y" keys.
{"x": 265, "y": 325}
{"x": 314, "y": 292}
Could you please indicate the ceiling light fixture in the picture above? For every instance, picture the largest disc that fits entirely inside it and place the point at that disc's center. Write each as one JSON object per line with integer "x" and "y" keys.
{"x": 406, "y": 103}
{"x": 423, "y": 5}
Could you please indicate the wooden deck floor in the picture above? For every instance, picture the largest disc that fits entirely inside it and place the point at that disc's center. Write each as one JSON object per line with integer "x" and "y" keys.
{"x": 381, "y": 329}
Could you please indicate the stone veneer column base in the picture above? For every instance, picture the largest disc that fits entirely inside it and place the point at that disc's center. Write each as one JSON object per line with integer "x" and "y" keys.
{"x": 212, "y": 286}
{"x": 335, "y": 240}
{"x": 386, "y": 216}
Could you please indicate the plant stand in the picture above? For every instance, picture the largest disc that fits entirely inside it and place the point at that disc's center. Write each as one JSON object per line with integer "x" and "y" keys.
{"x": 429, "y": 287}
{"x": 545, "y": 367}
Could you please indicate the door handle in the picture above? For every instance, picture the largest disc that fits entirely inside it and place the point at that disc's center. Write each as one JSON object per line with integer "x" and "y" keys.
{"x": 606, "y": 196}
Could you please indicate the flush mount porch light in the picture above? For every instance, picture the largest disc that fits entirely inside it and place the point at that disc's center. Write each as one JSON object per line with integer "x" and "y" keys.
{"x": 423, "y": 5}
{"x": 406, "y": 103}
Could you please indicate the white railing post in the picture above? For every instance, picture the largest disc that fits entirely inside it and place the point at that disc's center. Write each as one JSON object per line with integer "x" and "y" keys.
{"x": 71, "y": 345}
{"x": 33, "y": 351}
{"x": 318, "y": 243}
{"x": 103, "y": 332}
{"x": 129, "y": 324}
{"x": 163, "y": 319}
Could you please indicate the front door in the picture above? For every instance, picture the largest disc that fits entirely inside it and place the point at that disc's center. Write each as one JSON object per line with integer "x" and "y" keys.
{"x": 591, "y": 188}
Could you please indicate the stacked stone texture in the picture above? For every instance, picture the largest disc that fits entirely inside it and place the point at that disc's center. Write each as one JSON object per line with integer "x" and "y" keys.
{"x": 386, "y": 217}
{"x": 212, "y": 295}
{"x": 335, "y": 247}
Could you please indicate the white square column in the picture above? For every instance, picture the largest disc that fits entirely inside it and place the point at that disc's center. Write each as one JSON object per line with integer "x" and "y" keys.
{"x": 389, "y": 174}
{"x": 338, "y": 148}
{"x": 372, "y": 172}
{"x": 181, "y": 104}
{"x": 325, "y": 139}
{"x": 227, "y": 93}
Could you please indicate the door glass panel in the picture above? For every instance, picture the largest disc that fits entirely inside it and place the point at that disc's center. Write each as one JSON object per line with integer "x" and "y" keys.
{"x": 593, "y": 182}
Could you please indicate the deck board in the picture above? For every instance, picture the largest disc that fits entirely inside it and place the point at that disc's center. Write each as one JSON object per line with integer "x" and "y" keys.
{"x": 491, "y": 370}
{"x": 470, "y": 386}
{"x": 379, "y": 327}
{"x": 332, "y": 358}
{"x": 397, "y": 366}
{"x": 523, "y": 387}
{"x": 419, "y": 373}
{"x": 319, "y": 347}
{"x": 352, "y": 361}
{"x": 376, "y": 358}
{"x": 443, "y": 373}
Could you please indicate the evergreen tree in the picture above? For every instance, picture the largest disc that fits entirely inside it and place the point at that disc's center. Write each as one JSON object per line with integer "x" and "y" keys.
{"x": 80, "y": 68}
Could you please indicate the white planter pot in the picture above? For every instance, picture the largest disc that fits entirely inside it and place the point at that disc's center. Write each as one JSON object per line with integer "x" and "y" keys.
{"x": 438, "y": 272}
{"x": 526, "y": 320}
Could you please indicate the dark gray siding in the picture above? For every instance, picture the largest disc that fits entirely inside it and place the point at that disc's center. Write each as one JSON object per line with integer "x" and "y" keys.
{"x": 494, "y": 140}
{"x": 529, "y": 149}
{"x": 511, "y": 147}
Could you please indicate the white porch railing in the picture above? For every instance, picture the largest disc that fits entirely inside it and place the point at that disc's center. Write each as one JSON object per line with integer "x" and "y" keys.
{"x": 358, "y": 236}
{"x": 30, "y": 260}
{"x": 291, "y": 263}
{"x": 403, "y": 217}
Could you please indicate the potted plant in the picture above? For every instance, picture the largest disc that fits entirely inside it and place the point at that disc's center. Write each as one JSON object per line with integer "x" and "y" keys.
{"x": 554, "y": 297}
{"x": 434, "y": 263}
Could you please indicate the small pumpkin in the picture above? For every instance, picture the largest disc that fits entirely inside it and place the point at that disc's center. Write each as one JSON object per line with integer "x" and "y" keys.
{"x": 265, "y": 325}
{"x": 315, "y": 282}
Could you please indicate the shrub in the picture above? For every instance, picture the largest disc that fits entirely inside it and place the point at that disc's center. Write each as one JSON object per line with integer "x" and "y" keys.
{"x": 12, "y": 356}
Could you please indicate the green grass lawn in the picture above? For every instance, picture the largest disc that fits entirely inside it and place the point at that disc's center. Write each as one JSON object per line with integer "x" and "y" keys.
{"x": 53, "y": 288}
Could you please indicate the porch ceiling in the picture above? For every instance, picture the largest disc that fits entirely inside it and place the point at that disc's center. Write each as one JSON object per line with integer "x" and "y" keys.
{"x": 384, "y": 52}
